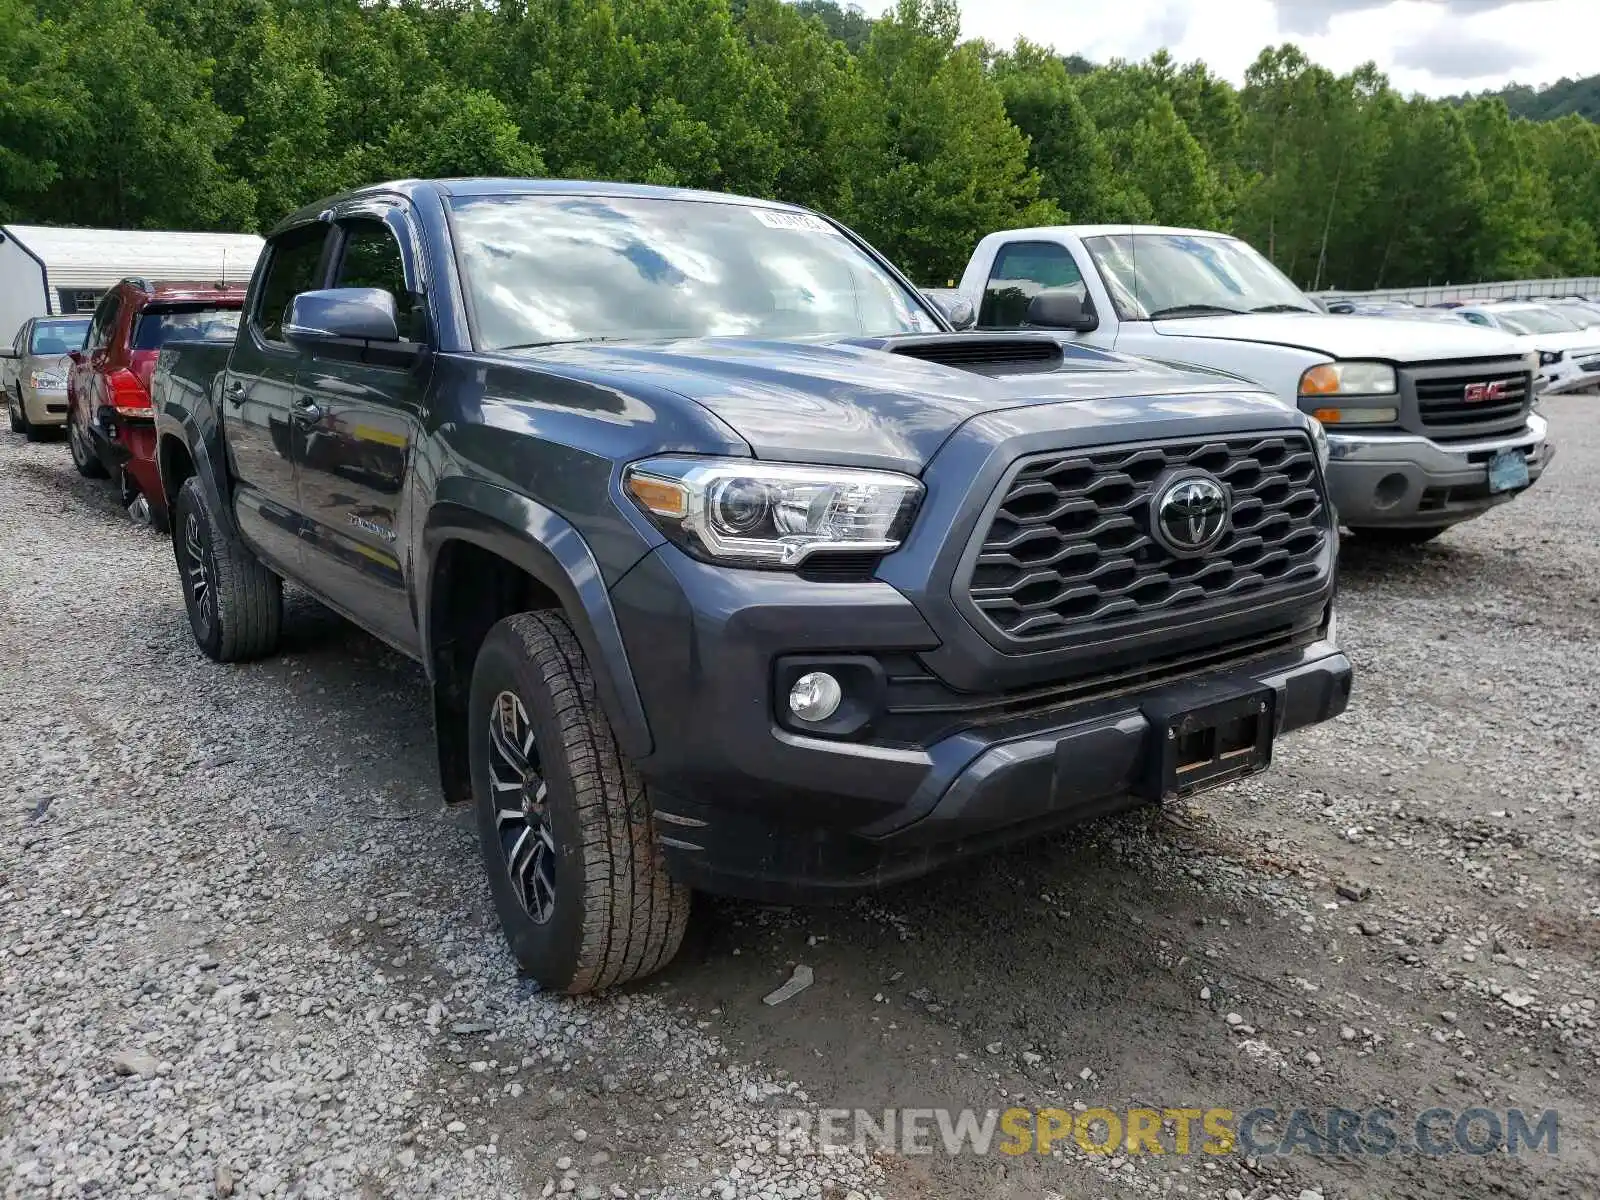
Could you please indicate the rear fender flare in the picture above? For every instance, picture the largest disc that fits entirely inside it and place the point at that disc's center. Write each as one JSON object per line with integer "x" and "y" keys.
{"x": 184, "y": 430}
{"x": 543, "y": 544}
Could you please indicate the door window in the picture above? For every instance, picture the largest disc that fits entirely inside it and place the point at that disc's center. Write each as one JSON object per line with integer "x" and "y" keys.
{"x": 1021, "y": 271}
{"x": 105, "y": 320}
{"x": 291, "y": 269}
{"x": 371, "y": 258}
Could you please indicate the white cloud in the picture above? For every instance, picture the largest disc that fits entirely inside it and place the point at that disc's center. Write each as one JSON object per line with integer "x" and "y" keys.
{"x": 1438, "y": 47}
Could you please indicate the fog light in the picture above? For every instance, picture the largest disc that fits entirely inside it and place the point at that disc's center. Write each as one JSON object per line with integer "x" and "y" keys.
{"x": 815, "y": 696}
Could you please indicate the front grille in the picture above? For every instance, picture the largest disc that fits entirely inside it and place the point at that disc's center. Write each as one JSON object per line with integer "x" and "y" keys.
{"x": 1472, "y": 403}
{"x": 1069, "y": 546}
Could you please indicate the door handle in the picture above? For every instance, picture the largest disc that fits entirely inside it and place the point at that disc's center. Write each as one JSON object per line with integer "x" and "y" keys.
{"x": 235, "y": 391}
{"x": 308, "y": 411}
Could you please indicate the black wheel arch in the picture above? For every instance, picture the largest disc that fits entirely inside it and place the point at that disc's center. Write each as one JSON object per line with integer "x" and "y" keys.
{"x": 550, "y": 552}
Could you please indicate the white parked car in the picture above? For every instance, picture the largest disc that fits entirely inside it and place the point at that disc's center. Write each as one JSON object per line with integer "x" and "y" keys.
{"x": 1429, "y": 422}
{"x": 1569, "y": 352}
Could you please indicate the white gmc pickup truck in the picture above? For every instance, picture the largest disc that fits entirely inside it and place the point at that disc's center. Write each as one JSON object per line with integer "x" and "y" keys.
{"x": 1428, "y": 424}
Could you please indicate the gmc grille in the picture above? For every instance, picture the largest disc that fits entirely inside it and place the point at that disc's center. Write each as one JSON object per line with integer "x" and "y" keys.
{"x": 1456, "y": 402}
{"x": 1069, "y": 546}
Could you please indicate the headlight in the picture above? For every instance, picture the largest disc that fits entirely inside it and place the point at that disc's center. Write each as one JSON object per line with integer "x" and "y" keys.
{"x": 41, "y": 381}
{"x": 1319, "y": 440}
{"x": 1349, "y": 379}
{"x": 1549, "y": 358}
{"x": 755, "y": 514}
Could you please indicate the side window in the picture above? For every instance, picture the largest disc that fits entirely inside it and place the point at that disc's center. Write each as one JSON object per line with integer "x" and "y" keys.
{"x": 1476, "y": 318}
{"x": 371, "y": 259}
{"x": 105, "y": 320}
{"x": 291, "y": 269}
{"x": 1021, "y": 271}
{"x": 21, "y": 340}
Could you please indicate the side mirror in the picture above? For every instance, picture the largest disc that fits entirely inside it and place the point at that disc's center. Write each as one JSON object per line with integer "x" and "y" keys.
{"x": 957, "y": 309}
{"x": 1058, "y": 308}
{"x": 334, "y": 314}
{"x": 8, "y": 352}
{"x": 76, "y": 356}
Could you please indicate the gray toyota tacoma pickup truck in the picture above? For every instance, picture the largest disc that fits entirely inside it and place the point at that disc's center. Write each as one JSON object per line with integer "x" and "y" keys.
{"x": 731, "y": 565}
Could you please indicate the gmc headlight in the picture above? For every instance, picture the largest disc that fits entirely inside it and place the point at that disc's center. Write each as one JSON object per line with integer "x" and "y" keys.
{"x": 1349, "y": 379}
{"x": 1549, "y": 358}
{"x": 43, "y": 381}
{"x": 754, "y": 514}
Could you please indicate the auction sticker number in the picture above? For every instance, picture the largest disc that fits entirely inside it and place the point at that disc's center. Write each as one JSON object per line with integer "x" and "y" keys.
{"x": 804, "y": 222}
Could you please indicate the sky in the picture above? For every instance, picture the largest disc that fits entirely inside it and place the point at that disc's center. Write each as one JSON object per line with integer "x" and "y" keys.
{"x": 1437, "y": 47}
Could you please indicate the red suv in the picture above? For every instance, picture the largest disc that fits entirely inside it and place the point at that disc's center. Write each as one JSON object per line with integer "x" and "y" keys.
{"x": 110, "y": 424}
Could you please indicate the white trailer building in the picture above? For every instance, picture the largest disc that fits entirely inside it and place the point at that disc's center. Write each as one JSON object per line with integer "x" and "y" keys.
{"x": 47, "y": 270}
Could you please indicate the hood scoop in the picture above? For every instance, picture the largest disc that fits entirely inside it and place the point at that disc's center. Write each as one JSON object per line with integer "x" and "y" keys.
{"x": 980, "y": 353}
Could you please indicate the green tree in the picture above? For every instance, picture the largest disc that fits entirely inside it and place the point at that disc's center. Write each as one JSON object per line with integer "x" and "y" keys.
{"x": 1064, "y": 147}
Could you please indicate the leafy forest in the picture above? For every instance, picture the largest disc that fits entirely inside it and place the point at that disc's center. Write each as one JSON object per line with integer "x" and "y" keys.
{"x": 228, "y": 114}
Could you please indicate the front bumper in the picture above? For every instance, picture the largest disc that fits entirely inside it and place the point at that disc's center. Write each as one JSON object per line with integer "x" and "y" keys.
{"x": 1574, "y": 373}
{"x": 746, "y": 806}
{"x": 1406, "y": 480}
{"x": 45, "y": 406}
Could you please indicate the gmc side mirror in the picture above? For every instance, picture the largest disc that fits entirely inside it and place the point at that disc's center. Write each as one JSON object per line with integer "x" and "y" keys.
{"x": 957, "y": 309}
{"x": 1059, "y": 308}
{"x": 341, "y": 314}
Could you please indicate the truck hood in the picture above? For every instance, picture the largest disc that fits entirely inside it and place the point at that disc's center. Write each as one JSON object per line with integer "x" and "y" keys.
{"x": 859, "y": 405}
{"x": 1349, "y": 336}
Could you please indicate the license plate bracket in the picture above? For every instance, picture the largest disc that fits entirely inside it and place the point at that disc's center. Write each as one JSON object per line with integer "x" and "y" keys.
{"x": 1508, "y": 470}
{"x": 1200, "y": 743}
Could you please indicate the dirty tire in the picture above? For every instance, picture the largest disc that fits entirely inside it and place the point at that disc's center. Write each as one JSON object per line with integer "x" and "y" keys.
{"x": 19, "y": 419}
{"x": 616, "y": 914}
{"x": 235, "y": 604}
{"x": 1397, "y": 537}
{"x": 83, "y": 455}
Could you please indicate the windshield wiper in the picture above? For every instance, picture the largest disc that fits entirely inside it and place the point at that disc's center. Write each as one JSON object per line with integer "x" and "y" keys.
{"x": 558, "y": 342}
{"x": 1283, "y": 308}
{"x": 1195, "y": 310}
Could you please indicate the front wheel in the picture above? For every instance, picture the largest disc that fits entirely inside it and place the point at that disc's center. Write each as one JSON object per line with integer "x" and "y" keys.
{"x": 235, "y": 604}
{"x": 566, "y": 828}
{"x": 83, "y": 455}
{"x": 1381, "y": 536}
{"x": 19, "y": 419}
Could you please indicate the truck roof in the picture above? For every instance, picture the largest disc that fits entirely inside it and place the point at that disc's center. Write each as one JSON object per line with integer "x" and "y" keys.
{"x": 1084, "y": 231}
{"x": 522, "y": 187}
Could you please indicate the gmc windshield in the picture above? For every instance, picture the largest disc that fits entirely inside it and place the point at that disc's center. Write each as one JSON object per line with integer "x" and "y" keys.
{"x": 1156, "y": 276}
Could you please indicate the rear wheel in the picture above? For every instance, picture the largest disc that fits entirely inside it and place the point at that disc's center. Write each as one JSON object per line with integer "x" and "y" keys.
{"x": 1397, "y": 537}
{"x": 235, "y": 604}
{"x": 566, "y": 828}
{"x": 83, "y": 455}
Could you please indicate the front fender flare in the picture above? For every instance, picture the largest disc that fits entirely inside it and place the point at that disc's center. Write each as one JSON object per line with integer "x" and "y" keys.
{"x": 184, "y": 429}
{"x": 542, "y": 543}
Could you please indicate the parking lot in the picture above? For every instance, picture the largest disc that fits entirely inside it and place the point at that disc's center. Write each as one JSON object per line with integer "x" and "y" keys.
{"x": 243, "y": 950}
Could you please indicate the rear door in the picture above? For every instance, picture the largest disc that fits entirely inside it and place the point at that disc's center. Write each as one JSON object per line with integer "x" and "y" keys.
{"x": 258, "y": 399}
{"x": 362, "y": 407}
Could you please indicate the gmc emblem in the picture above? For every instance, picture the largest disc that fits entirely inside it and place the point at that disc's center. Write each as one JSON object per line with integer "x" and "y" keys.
{"x": 1477, "y": 393}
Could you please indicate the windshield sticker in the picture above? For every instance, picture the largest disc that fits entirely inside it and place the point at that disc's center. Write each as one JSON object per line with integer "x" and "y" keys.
{"x": 804, "y": 222}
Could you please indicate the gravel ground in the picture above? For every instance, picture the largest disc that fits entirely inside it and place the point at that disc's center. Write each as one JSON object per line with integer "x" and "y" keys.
{"x": 244, "y": 952}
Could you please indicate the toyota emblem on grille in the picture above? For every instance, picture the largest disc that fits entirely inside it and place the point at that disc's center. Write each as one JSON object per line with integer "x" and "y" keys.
{"x": 1189, "y": 514}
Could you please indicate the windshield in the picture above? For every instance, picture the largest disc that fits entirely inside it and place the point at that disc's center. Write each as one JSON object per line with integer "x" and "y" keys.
{"x": 1162, "y": 275}
{"x": 157, "y": 327}
{"x": 1536, "y": 320}
{"x": 541, "y": 269}
{"x": 58, "y": 337}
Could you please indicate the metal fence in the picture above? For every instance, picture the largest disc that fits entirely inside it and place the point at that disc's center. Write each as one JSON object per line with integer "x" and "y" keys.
{"x": 1588, "y": 285}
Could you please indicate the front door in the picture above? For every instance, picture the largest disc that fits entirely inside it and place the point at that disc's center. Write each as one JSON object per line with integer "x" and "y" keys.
{"x": 365, "y": 414}
{"x": 257, "y": 402}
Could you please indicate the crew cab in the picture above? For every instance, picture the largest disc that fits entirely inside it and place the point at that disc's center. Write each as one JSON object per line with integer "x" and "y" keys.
{"x": 731, "y": 565}
{"x": 110, "y": 426}
{"x": 1429, "y": 423}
